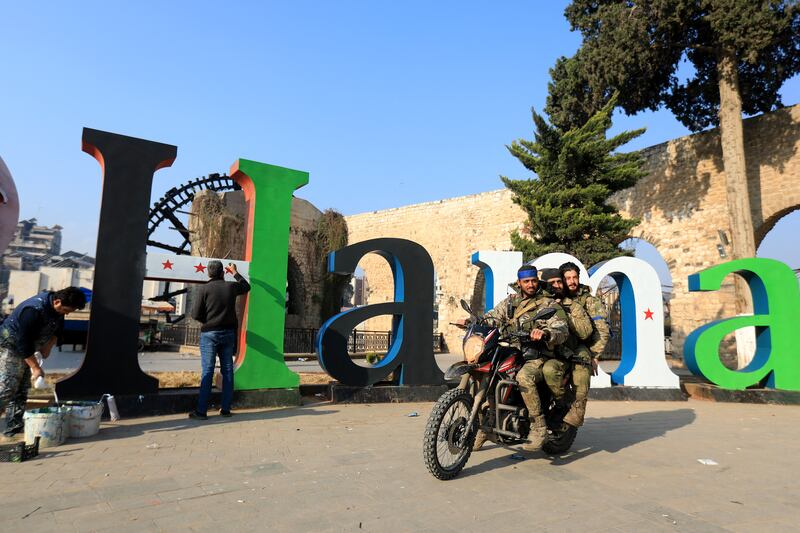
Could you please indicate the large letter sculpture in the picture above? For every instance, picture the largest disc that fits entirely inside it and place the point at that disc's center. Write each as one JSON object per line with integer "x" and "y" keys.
{"x": 268, "y": 192}
{"x": 9, "y": 206}
{"x": 642, "y": 363}
{"x": 111, "y": 363}
{"x": 412, "y": 332}
{"x": 776, "y": 306}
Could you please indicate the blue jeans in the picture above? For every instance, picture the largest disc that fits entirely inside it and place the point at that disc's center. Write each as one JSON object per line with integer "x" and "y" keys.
{"x": 215, "y": 344}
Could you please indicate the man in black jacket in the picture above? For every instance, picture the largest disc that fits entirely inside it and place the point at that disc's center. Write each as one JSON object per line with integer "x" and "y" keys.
{"x": 215, "y": 308}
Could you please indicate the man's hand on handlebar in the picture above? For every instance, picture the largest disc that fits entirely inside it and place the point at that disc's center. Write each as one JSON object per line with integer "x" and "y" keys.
{"x": 460, "y": 323}
{"x": 539, "y": 335}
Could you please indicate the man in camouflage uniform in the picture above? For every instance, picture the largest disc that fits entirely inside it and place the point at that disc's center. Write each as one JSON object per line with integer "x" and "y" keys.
{"x": 580, "y": 329}
{"x": 591, "y": 347}
{"x": 32, "y": 327}
{"x": 516, "y": 313}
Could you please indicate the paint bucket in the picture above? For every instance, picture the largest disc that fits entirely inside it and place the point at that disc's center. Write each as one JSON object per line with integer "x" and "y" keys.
{"x": 49, "y": 423}
{"x": 84, "y": 418}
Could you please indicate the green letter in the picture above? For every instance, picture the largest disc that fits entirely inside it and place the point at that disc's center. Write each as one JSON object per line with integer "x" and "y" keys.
{"x": 776, "y": 305}
{"x": 268, "y": 191}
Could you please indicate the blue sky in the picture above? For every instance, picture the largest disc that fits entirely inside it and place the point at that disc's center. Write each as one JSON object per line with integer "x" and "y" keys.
{"x": 384, "y": 103}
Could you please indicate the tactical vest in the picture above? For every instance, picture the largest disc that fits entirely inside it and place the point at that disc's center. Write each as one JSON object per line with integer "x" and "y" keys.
{"x": 521, "y": 313}
{"x": 10, "y": 329}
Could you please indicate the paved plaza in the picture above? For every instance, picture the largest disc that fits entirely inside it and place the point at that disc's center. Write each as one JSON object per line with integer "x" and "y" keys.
{"x": 324, "y": 467}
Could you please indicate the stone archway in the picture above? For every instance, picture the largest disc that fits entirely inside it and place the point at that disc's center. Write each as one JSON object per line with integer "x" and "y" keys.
{"x": 295, "y": 294}
{"x": 770, "y": 223}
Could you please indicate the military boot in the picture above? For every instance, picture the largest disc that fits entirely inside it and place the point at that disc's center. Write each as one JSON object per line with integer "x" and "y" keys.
{"x": 480, "y": 439}
{"x": 576, "y": 413}
{"x": 537, "y": 435}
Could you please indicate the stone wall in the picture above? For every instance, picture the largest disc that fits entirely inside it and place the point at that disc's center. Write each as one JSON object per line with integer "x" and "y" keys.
{"x": 450, "y": 230}
{"x": 305, "y": 269}
{"x": 681, "y": 205}
{"x": 683, "y": 208}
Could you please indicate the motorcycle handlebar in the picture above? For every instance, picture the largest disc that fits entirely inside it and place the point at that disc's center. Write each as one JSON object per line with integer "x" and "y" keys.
{"x": 527, "y": 335}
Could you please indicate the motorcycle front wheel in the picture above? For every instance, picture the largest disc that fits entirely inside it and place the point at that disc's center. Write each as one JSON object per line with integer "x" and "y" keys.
{"x": 448, "y": 441}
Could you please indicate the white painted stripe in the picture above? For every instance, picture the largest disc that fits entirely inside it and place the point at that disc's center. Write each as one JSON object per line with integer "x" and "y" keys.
{"x": 187, "y": 268}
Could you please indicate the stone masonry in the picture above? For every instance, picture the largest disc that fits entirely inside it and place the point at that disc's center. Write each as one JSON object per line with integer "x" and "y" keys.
{"x": 305, "y": 269}
{"x": 681, "y": 206}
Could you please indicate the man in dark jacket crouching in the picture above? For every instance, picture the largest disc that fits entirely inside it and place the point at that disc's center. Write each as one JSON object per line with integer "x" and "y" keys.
{"x": 34, "y": 326}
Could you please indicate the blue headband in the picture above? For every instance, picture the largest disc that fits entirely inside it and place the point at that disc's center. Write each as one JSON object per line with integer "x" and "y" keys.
{"x": 530, "y": 273}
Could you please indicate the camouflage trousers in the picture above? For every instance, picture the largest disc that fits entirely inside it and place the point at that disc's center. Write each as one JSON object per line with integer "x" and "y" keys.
{"x": 554, "y": 371}
{"x": 531, "y": 374}
{"x": 581, "y": 378}
{"x": 15, "y": 380}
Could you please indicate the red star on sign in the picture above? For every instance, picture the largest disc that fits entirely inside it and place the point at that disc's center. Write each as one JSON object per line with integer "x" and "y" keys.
{"x": 199, "y": 268}
{"x": 167, "y": 265}
{"x": 648, "y": 315}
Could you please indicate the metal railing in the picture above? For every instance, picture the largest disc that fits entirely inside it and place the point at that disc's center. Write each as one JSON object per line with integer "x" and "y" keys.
{"x": 300, "y": 340}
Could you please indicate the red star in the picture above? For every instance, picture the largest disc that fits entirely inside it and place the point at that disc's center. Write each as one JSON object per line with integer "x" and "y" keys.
{"x": 167, "y": 265}
{"x": 199, "y": 268}
{"x": 648, "y": 315}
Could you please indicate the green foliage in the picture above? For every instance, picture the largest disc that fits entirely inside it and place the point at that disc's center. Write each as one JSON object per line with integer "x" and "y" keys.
{"x": 373, "y": 358}
{"x": 636, "y": 48}
{"x": 331, "y": 235}
{"x": 577, "y": 171}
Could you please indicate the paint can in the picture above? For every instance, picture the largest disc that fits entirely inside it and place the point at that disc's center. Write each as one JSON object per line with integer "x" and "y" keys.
{"x": 84, "y": 418}
{"x": 49, "y": 423}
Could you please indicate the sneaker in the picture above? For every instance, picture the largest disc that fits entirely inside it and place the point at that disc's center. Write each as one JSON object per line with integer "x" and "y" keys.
{"x": 226, "y": 414}
{"x": 197, "y": 416}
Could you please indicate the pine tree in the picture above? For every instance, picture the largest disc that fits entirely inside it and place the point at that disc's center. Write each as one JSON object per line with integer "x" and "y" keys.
{"x": 741, "y": 52}
{"x": 577, "y": 171}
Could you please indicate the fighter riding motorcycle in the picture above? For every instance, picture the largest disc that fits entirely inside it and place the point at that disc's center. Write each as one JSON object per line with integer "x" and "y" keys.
{"x": 488, "y": 398}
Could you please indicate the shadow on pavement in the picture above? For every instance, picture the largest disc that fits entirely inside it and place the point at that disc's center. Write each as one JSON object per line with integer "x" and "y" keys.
{"x": 610, "y": 434}
{"x": 109, "y": 431}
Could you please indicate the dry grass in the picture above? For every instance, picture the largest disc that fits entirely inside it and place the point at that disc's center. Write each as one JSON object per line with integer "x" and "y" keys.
{"x": 172, "y": 380}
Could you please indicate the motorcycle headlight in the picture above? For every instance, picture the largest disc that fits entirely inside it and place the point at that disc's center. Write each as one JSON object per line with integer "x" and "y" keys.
{"x": 473, "y": 347}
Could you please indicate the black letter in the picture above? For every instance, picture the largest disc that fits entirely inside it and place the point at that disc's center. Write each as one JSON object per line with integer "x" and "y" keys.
{"x": 412, "y": 335}
{"x": 111, "y": 363}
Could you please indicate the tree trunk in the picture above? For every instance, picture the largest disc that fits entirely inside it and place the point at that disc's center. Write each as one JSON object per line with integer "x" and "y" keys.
{"x": 733, "y": 156}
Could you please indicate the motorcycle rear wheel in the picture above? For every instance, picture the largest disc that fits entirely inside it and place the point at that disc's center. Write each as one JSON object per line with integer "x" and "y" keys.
{"x": 560, "y": 441}
{"x": 448, "y": 441}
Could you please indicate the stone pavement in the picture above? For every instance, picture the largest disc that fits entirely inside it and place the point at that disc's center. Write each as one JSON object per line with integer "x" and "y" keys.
{"x": 329, "y": 467}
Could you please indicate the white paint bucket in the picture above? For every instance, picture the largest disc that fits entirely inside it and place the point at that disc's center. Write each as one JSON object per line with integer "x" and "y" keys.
{"x": 84, "y": 418}
{"x": 49, "y": 423}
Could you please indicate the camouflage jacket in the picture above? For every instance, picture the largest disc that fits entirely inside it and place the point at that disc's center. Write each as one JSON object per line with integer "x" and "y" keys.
{"x": 580, "y": 330}
{"x": 516, "y": 312}
{"x": 596, "y": 311}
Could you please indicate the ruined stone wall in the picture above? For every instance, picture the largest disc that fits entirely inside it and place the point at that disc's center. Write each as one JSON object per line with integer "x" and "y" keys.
{"x": 681, "y": 205}
{"x": 304, "y": 277}
{"x": 305, "y": 267}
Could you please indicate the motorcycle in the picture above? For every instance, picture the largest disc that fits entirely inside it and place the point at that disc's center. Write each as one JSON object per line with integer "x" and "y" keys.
{"x": 488, "y": 398}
